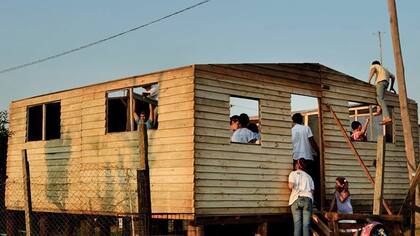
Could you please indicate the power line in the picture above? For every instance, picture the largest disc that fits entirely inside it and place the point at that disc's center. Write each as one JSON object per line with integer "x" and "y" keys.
{"x": 99, "y": 41}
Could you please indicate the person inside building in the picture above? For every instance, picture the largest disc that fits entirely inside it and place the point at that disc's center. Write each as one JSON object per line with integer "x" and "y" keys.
{"x": 242, "y": 134}
{"x": 304, "y": 145}
{"x": 359, "y": 132}
{"x": 149, "y": 121}
{"x": 382, "y": 77}
{"x": 301, "y": 198}
{"x": 234, "y": 123}
{"x": 254, "y": 128}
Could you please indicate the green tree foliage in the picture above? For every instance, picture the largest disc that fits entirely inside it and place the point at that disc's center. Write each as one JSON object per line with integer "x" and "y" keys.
{"x": 4, "y": 125}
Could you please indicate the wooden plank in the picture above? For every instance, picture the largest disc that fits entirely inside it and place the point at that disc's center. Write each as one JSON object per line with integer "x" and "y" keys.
{"x": 27, "y": 193}
{"x": 379, "y": 178}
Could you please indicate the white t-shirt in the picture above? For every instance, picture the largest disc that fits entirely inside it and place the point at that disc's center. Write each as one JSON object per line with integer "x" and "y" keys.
{"x": 242, "y": 135}
{"x": 301, "y": 145}
{"x": 303, "y": 185}
{"x": 381, "y": 73}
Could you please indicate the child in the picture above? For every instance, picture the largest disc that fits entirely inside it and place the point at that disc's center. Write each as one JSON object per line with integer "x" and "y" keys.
{"x": 341, "y": 199}
{"x": 359, "y": 132}
{"x": 301, "y": 198}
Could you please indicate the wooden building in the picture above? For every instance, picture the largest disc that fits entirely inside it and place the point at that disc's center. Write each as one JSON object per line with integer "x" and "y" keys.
{"x": 83, "y": 147}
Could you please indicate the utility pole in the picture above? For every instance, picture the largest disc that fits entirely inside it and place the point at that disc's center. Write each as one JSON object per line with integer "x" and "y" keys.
{"x": 408, "y": 137}
{"x": 379, "y": 33}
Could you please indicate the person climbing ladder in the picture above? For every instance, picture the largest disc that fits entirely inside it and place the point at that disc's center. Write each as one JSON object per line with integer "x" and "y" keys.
{"x": 382, "y": 82}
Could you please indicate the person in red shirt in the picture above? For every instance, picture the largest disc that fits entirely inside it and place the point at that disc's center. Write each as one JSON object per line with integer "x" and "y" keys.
{"x": 359, "y": 132}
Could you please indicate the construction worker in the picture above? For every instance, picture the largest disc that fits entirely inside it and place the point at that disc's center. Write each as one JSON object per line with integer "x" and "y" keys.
{"x": 382, "y": 82}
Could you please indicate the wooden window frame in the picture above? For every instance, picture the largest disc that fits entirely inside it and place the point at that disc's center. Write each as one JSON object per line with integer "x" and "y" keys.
{"x": 44, "y": 121}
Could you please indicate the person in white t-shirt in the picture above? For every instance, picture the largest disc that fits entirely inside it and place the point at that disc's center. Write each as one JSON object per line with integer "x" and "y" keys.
{"x": 381, "y": 84}
{"x": 301, "y": 198}
{"x": 304, "y": 145}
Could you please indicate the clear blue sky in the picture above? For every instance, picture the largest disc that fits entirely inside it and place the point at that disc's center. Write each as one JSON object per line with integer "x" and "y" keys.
{"x": 338, "y": 34}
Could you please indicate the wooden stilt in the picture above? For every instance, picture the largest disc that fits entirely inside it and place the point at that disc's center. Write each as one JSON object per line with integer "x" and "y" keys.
{"x": 262, "y": 229}
{"x": 379, "y": 178}
{"x": 87, "y": 227}
{"x": 11, "y": 223}
{"x": 195, "y": 230}
{"x": 27, "y": 193}
{"x": 43, "y": 224}
{"x": 143, "y": 184}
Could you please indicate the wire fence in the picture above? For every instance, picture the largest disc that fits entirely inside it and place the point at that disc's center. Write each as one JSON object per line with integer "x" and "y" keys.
{"x": 97, "y": 200}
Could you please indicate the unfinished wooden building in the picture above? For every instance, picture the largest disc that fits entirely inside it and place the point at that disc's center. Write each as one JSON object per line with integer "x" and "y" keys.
{"x": 83, "y": 151}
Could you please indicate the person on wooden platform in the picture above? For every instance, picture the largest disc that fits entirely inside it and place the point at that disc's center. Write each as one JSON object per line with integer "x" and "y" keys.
{"x": 341, "y": 199}
{"x": 382, "y": 77}
{"x": 304, "y": 145}
{"x": 301, "y": 198}
{"x": 359, "y": 131}
{"x": 242, "y": 134}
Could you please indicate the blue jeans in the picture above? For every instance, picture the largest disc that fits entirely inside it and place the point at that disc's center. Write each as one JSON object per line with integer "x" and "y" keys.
{"x": 302, "y": 211}
{"x": 381, "y": 87}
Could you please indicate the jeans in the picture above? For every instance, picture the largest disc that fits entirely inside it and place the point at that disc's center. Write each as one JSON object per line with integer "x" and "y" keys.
{"x": 381, "y": 87}
{"x": 302, "y": 211}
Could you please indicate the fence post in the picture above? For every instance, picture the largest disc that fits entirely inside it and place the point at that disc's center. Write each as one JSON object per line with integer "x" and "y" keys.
{"x": 27, "y": 193}
{"x": 143, "y": 184}
{"x": 379, "y": 178}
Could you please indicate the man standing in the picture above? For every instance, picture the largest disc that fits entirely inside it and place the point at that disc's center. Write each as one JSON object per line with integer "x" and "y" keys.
{"x": 304, "y": 145}
{"x": 382, "y": 82}
{"x": 301, "y": 198}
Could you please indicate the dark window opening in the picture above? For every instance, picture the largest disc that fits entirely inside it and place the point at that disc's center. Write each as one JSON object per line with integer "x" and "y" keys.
{"x": 34, "y": 123}
{"x": 52, "y": 121}
{"x": 118, "y": 111}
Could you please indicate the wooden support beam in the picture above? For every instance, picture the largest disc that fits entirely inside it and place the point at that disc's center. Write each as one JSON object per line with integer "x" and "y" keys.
{"x": 143, "y": 184}
{"x": 405, "y": 117}
{"x": 27, "y": 193}
{"x": 413, "y": 185}
{"x": 379, "y": 178}
{"x": 356, "y": 154}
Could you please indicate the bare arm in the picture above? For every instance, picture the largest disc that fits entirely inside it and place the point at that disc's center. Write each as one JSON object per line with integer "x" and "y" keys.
{"x": 364, "y": 129}
{"x": 313, "y": 144}
{"x": 291, "y": 185}
{"x": 343, "y": 195}
{"x": 371, "y": 74}
{"x": 152, "y": 113}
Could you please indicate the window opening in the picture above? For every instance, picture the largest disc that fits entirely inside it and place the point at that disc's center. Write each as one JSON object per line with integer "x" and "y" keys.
{"x": 126, "y": 107}
{"x": 118, "y": 111}
{"x": 245, "y": 120}
{"x": 306, "y": 136}
{"x": 52, "y": 122}
{"x": 44, "y": 122}
{"x": 34, "y": 123}
{"x": 145, "y": 102}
